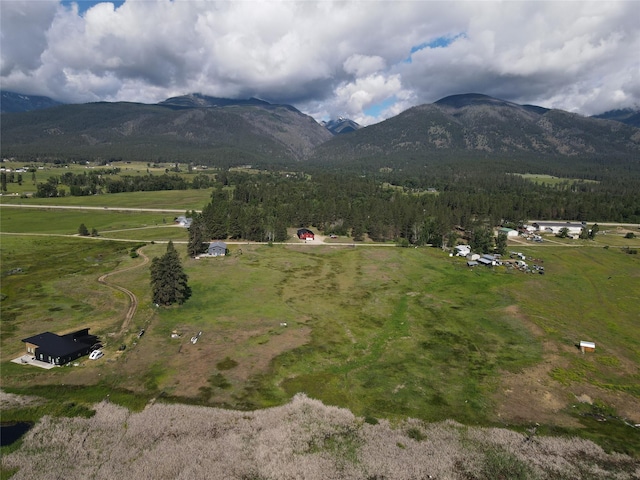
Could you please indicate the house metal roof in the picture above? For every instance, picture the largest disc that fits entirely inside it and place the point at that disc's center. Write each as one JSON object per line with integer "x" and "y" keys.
{"x": 55, "y": 345}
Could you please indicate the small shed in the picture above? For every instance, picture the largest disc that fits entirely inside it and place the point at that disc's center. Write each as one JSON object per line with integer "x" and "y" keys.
{"x": 217, "y": 249}
{"x": 587, "y": 346}
{"x": 471, "y": 263}
{"x": 462, "y": 250}
{"x": 473, "y": 256}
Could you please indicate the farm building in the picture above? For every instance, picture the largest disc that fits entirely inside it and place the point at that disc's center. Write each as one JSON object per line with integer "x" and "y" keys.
{"x": 60, "y": 349}
{"x": 509, "y": 232}
{"x": 217, "y": 249}
{"x": 555, "y": 227}
{"x": 462, "y": 250}
{"x": 305, "y": 233}
{"x": 587, "y": 346}
{"x": 471, "y": 263}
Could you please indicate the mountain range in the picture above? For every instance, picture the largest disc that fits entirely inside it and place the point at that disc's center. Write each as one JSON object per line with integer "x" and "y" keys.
{"x": 226, "y": 131}
{"x": 11, "y": 102}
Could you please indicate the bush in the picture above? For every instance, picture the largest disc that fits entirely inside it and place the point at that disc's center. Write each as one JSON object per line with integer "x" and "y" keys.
{"x": 226, "y": 364}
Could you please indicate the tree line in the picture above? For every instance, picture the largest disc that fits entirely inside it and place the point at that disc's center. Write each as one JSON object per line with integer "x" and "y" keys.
{"x": 385, "y": 207}
{"x": 107, "y": 181}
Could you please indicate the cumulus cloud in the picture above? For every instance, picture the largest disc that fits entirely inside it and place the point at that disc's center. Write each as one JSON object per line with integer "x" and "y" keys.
{"x": 365, "y": 60}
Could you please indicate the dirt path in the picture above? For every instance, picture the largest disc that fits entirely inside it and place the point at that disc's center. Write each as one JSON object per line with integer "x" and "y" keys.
{"x": 133, "y": 300}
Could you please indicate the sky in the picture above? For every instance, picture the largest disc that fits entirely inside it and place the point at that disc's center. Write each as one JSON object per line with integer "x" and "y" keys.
{"x": 365, "y": 60}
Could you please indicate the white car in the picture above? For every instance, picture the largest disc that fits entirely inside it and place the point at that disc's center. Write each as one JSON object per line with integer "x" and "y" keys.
{"x": 96, "y": 354}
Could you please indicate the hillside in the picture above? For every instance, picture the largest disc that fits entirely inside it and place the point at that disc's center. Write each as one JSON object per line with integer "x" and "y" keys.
{"x": 236, "y": 132}
{"x": 626, "y": 115}
{"x": 17, "y": 102}
{"x": 485, "y": 127}
{"x": 217, "y": 131}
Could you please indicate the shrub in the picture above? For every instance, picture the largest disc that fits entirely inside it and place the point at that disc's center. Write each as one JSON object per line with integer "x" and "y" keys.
{"x": 226, "y": 364}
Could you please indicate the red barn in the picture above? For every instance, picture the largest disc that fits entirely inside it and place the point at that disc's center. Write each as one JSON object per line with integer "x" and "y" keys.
{"x": 305, "y": 233}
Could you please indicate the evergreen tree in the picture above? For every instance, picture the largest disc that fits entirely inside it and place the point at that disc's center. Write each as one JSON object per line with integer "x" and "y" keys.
{"x": 198, "y": 238}
{"x": 168, "y": 280}
{"x": 501, "y": 243}
{"x": 83, "y": 230}
{"x": 481, "y": 240}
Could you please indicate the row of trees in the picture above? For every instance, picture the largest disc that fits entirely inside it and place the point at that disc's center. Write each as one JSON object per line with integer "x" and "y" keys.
{"x": 108, "y": 182}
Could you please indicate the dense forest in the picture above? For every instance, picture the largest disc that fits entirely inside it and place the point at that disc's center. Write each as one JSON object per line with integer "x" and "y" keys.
{"x": 259, "y": 207}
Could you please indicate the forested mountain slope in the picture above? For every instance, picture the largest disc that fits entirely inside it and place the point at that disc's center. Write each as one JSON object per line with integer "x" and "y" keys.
{"x": 231, "y": 134}
{"x": 461, "y": 131}
{"x": 478, "y": 126}
{"x": 17, "y": 102}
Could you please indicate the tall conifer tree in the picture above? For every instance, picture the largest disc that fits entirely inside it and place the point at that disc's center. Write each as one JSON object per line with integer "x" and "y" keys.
{"x": 168, "y": 280}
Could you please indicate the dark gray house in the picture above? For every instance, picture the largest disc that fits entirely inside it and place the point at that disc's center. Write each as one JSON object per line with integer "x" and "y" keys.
{"x": 217, "y": 249}
{"x": 60, "y": 349}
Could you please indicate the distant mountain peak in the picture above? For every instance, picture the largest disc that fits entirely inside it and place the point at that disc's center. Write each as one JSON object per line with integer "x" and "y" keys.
{"x": 13, "y": 102}
{"x": 628, "y": 116}
{"x": 198, "y": 100}
{"x": 469, "y": 99}
{"x": 341, "y": 125}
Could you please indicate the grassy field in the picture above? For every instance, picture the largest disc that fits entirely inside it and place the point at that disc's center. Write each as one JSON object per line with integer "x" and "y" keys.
{"x": 387, "y": 332}
{"x": 550, "y": 179}
{"x": 182, "y": 200}
{"x": 66, "y": 222}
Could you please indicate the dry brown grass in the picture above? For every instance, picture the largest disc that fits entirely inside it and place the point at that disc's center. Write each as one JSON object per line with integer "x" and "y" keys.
{"x": 301, "y": 440}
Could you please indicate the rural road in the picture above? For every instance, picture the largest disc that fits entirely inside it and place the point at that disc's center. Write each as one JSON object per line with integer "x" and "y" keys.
{"x": 133, "y": 300}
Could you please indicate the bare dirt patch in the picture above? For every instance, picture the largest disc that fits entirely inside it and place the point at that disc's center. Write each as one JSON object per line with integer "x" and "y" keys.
{"x": 186, "y": 368}
{"x": 533, "y": 396}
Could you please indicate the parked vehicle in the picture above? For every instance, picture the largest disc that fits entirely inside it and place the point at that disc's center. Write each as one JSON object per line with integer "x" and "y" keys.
{"x": 96, "y": 354}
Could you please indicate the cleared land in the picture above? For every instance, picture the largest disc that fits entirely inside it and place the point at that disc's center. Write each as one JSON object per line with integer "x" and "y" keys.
{"x": 389, "y": 333}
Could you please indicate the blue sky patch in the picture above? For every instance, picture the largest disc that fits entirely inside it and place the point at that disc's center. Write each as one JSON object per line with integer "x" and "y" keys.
{"x": 84, "y": 5}
{"x": 440, "y": 42}
{"x": 375, "y": 110}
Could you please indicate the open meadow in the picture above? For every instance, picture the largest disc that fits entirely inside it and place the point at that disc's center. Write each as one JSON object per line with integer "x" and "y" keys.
{"x": 386, "y": 332}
